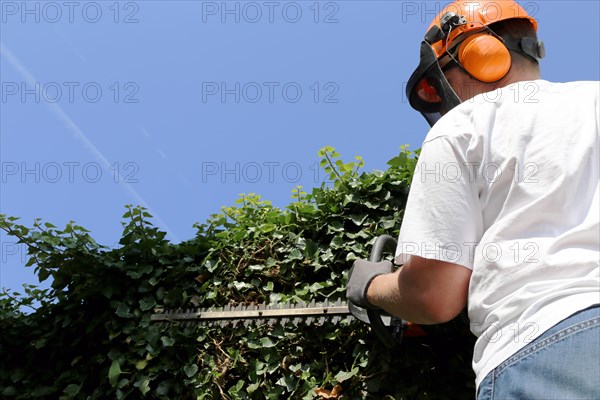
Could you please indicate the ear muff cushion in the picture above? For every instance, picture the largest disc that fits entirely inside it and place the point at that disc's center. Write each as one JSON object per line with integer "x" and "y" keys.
{"x": 484, "y": 57}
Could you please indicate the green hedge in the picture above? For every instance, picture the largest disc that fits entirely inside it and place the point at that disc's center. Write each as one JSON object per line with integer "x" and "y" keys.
{"x": 90, "y": 336}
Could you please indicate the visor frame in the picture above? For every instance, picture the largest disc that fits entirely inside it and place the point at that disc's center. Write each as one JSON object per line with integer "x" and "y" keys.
{"x": 429, "y": 68}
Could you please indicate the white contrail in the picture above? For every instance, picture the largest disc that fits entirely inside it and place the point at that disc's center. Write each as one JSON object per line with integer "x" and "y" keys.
{"x": 79, "y": 135}
{"x": 158, "y": 150}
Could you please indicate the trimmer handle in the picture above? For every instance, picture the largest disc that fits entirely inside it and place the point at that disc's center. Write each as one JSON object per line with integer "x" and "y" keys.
{"x": 389, "y": 337}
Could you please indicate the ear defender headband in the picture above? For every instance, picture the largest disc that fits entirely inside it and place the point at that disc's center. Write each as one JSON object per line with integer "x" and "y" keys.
{"x": 484, "y": 55}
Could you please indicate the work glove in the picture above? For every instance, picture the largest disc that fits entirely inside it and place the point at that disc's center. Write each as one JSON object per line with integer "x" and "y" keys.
{"x": 360, "y": 277}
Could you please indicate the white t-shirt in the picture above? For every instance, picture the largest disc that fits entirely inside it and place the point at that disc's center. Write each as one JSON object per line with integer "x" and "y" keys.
{"x": 507, "y": 186}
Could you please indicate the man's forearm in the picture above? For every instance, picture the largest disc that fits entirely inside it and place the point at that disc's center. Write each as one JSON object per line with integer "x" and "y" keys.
{"x": 384, "y": 292}
{"x": 422, "y": 291}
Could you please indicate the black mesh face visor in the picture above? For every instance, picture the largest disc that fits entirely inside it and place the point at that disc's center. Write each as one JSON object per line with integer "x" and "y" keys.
{"x": 428, "y": 90}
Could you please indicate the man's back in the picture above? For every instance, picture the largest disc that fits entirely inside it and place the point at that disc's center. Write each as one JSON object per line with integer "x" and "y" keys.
{"x": 524, "y": 208}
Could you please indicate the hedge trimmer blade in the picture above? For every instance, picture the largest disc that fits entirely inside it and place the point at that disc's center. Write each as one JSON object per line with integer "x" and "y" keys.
{"x": 388, "y": 329}
{"x": 277, "y": 314}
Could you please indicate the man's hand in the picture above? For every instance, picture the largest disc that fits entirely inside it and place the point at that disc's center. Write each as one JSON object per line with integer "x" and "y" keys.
{"x": 360, "y": 277}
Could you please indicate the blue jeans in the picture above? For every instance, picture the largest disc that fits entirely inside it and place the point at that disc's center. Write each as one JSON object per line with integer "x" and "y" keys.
{"x": 562, "y": 364}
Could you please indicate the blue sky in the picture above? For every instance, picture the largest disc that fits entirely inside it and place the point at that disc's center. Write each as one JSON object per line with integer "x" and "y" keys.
{"x": 182, "y": 105}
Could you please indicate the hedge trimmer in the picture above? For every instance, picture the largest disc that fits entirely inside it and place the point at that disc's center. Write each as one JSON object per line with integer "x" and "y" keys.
{"x": 299, "y": 313}
{"x": 388, "y": 329}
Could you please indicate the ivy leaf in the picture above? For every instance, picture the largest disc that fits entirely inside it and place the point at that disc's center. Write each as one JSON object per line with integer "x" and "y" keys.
{"x": 337, "y": 241}
{"x": 17, "y": 375}
{"x": 311, "y": 249}
{"x": 253, "y": 387}
{"x": 358, "y": 219}
{"x": 390, "y": 224}
{"x": 60, "y": 281}
{"x": 114, "y": 372}
{"x": 123, "y": 311}
{"x": 145, "y": 386}
{"x": 190, "y": 370}
{"x": 296, "y": 254}
{"x": 141, "y": 364}
{"x": 242, "y": 286}
{"x": 9, "y": 391}
{"x": 266, "y": 342}
{"x": 398, "y": 161}
{"x": 345, "y": 375}
{"x": 72, "y": 389}
{"x": 42, "y": 391}
{"x": 147, "y": 303}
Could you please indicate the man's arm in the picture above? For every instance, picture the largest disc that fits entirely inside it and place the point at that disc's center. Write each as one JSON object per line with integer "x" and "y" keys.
{"x": 423, "y": 291}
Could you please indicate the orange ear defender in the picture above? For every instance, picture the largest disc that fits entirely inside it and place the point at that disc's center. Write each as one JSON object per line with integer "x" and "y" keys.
{"x": 481, "y": 53}
{"x": 484, "y": 57}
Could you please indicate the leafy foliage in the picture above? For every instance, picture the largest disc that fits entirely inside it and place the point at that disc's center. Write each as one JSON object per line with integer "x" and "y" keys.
{"x": 90, "y": 335}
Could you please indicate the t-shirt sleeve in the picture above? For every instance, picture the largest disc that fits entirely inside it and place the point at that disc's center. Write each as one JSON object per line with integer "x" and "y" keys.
{"x": 443, "y": 217}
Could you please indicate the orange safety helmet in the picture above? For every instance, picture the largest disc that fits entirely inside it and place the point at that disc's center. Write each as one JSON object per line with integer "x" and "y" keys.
{"x": 460, "y": 35}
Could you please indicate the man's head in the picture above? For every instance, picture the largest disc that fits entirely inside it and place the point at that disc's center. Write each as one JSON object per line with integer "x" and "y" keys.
{"x": 472, "y": 48}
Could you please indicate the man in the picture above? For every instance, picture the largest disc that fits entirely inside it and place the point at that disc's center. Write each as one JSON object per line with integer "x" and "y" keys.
{"x": 503, "y": 212}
